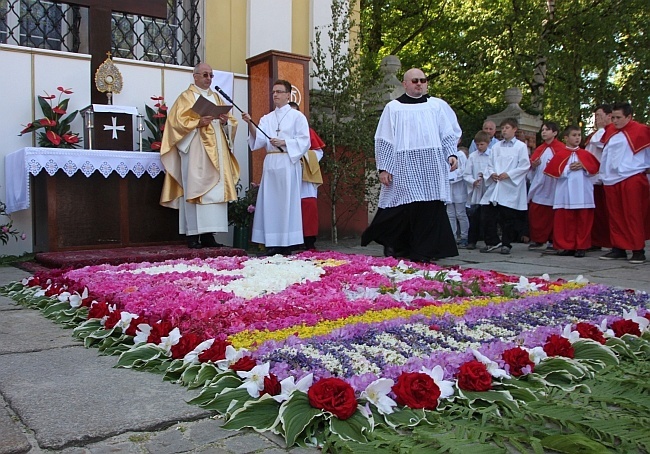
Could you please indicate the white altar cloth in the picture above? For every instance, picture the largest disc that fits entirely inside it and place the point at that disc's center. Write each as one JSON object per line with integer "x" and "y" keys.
{"x": 21, "y": 163}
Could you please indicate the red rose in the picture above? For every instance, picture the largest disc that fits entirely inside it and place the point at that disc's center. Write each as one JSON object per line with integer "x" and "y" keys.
{"x": 244, "y": 364}
{"x": 186, "y": 344}
{"x": 557, "y": 345}
{"x": 474, "y": 376}
{"x": 158, "y": 331}
{"x": 333, "y": 395}
{"x": 416, "y": 390}
{"x": 589, "y": 331}
{"x": 517, "y": 358}
{"x": 271, "y": 386}
{"x": 98, "y": 310}
{"x": 623, "y": 326}
{"x": 216, "y": 352}
{"x": 113, "y": 319}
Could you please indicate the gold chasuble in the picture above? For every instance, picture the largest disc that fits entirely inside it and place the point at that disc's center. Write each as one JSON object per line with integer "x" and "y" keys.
{"x": 204, "y": 172}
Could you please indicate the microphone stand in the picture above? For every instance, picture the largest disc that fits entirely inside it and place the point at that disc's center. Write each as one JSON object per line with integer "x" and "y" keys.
{"x": 227, "y": 98}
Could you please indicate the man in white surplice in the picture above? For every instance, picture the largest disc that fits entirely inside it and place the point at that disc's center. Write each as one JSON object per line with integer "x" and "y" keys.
{"x": 201, "y": 170}
{"x": 278, "y": 218}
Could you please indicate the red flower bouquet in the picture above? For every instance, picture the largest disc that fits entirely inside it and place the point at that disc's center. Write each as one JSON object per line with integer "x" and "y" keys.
{"x": 589, "y": 331}
{"x": 623, "y": 326}
{"x": 557, "y": 345}
{"x": 53, "y": 131}
{"x": 333, "y": 395}
{"x": 416, "y": 390}
{"x": 517, "y": 359}
{"x": 474, "y": 376}
{"x": 156, "y": 119}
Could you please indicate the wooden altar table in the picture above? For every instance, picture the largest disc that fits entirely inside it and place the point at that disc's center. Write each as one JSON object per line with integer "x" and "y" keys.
{"x": 87, "y": 199}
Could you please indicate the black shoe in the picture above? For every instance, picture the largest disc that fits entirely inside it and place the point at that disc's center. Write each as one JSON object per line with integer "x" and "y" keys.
{"x": 638, "y": 257}
{"x": 567, "y": 253}
{"x": 614, "y": 254}
{"x": 207, "y": 240}
{"x": 193, "y": 242}
{"x": 389, "y": 251}
{"x": 580, "y": 253}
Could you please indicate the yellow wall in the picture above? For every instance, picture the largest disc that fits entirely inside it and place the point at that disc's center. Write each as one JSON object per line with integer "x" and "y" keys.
{"x": 225, "y": 35}
{"x": 300, "y": 21}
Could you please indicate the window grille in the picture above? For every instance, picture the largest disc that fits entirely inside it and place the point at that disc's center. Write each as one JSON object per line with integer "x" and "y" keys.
{"x": 60, "y": 26}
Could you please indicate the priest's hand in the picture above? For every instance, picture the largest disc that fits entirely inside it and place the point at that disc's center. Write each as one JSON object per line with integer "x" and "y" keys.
{"x": 385, "y": 178}
{"x": 453, "y": 162}
{"x": 205, "y": 121}
{"x": 223, "y": 118}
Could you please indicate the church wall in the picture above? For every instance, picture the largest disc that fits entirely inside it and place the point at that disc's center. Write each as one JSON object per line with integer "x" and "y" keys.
{"x": 225, "y": 35}
{"x": 269, "y": 26}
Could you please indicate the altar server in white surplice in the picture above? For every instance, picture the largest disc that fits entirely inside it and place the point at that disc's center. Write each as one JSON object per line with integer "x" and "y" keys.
{"x": 278, "y": 217}
{"x": 201, "y": 170}
{"x": 415, "y": 149}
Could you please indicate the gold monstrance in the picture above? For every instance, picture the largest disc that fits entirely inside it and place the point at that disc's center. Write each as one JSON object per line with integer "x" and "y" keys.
{"x": 108, "y": 78}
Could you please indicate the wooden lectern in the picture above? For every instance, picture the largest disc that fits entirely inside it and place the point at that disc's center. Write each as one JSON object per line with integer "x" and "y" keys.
{"x": 263, "y": 70}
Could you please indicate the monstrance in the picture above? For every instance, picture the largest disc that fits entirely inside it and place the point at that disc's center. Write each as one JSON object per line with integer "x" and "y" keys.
{"x": 108, "y": 78}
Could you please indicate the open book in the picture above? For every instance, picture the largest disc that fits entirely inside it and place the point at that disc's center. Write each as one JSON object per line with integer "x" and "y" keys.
{"x": 204, "y": 107}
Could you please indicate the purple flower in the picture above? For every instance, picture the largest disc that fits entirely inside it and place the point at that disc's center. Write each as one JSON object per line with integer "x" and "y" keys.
{"x": 251, "y": 208}
{"x": 23, "y": 236}
{"x": 5, "y": 229}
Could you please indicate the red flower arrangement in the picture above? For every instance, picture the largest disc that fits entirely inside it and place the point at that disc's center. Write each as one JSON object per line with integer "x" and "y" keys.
{"x": 56, "y": 132}
{"x": 557, "y": 345}
{"x": 416, "y": 390}
{"x": 517, "y": 359}
{"x": 623, "y": 326}
{"x": 333, "y": 395}
{"x": 474, "y": 376}
{"x": 155, "y": 121}
{"x": 589, "y": 331}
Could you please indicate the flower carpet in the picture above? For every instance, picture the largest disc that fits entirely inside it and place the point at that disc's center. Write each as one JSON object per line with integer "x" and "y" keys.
{"x": 337, "y": 350}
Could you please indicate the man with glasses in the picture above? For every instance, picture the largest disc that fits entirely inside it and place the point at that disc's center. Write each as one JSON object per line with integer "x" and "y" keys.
{"x": 415, "y": 148}
{"x": 201, "y": 170}
{"x": 284, "y": 134}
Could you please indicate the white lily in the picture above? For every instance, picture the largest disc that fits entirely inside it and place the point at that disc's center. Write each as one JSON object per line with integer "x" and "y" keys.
{"x": 288, "y": 386}
{"x": 580, "y": 279}
{"x": 632, "y": 315}
{"x": 492, "y": 367}
{"x": 166, "y": 343}
{"x": 254, "y": 379}
{"x": 63, "y": 296}
{"x": 453, "y": 275}
{"x": 607, "y": 332}
{"x": 536, "y": 354}
{"x": 377, "y": 393}
{"x": 446, "y": 386}
{"x": 193, "y": 356}
{"x": 524, "y": 285}
{"x": 76, "y": 299}
{"x": 545, "y": 277}
{"x": 125, "y": 320}
{"x": 232, "y": 356}
{"x": 570, "y": 334}
{"x": 142, "y": 333}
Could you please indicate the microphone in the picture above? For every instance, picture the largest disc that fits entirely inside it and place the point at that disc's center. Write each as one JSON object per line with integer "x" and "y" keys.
{"x": 227, "y": 98}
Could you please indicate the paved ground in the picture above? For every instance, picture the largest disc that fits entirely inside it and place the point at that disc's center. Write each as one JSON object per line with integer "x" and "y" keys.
{"x": 57, "y": 396}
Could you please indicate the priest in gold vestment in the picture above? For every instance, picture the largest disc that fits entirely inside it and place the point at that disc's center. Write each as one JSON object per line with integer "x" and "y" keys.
{"x": 201, "y": 169}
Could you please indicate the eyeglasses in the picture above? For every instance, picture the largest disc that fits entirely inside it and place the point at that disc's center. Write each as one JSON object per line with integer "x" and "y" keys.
{"x": 279, "y": 91}
{"x": 210, "y": 75}
{"x": 422, "y": 80}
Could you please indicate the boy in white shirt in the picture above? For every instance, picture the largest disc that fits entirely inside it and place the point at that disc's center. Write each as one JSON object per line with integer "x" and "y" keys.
{"x": 505, "y": 195}
{"x": 474, "y": 175}
{"x": 456, "y": 207}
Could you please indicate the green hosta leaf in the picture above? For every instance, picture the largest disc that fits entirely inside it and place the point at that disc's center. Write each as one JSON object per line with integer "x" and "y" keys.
{"x": 260, "y": 414}
{"x": 573, "y": 444}
{"x": 296, "y": 414}
{"x": 206, "y": 374}
{"x": 638, "y": 345}
{"x": 228, "y": 401}
{"x": 87, "y": 327}
{"x": 352, "y": 428}
{"x": 405, "y": 417}
{"x": 116, "y": 345}
{"x": 189, "y": 374}
{"x": 53, "y": 310}
{"x": 500, "y": 397}
{"x": 175, "y": 370}
{"x": 592, "y": 350}
{"x": 211, "y": 390}
{"x": 143, "y": 356}
{"x": 621, "y": 348}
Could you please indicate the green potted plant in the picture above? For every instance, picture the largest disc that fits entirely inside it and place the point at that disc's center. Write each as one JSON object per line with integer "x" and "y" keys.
{"x": 54, "y": 128}
{"x": 241, "y": 213}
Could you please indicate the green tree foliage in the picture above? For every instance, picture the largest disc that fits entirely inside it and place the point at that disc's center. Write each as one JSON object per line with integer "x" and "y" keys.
{"x": 591, "y": 51}
{"x": 344, "y": 112}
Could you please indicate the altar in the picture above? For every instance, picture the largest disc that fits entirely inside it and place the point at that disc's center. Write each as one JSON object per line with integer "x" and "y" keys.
{"x": 83, "y": 199}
